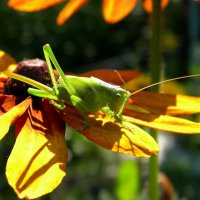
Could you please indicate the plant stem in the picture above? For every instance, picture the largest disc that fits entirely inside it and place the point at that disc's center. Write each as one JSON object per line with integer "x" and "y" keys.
{"x": 155, "y": 75}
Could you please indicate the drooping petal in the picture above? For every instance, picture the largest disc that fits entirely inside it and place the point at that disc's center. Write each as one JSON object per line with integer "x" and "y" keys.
{"x": 71, "y": 7}
{"x": 8, "y": 118}
{"x": 117, "y": 77}
{"x": 162, "y": 122}
{"x": 116, "y": 10}
{"x": 32, "y": 5}
{"x": 166, "y": 103}
{"x": 37, "y": 162}
{"x": 126, "y": 138}
{"x": 147, "y": 4}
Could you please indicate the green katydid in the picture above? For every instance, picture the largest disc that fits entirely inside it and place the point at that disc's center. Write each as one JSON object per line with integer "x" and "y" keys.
{"x": 86, "y": 94}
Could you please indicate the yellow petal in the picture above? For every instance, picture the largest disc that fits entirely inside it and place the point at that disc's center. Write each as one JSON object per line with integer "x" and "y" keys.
{"x": 71, "y": 7}
{"x": 166, "y": 103}
{"x": 163, "y": 122}
{"x": 116, "y": 10}
{"x": 7, "y": 119}
{"x": 7, "y": 63}
{"x": 5, "y": 60}
{"x": 32, "y": 5}
{"x": 148, "y": 4}
{"x": 127, "y": 139}
{"x": 37, "y": 162}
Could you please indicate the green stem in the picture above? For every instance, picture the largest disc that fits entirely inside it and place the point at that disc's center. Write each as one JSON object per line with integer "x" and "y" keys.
{"x": 155, "y": 75}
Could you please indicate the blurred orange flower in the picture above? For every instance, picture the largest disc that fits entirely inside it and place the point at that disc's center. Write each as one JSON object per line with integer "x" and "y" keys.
{"x": 113, "y": 10}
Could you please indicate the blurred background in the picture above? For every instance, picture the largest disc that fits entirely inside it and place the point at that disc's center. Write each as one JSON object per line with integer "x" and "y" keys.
{"x": 86, "y": 42}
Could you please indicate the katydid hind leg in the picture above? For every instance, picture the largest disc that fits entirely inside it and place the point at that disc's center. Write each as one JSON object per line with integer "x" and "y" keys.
{"x": 47, "y": 56}
{"x": 68, "y": 86}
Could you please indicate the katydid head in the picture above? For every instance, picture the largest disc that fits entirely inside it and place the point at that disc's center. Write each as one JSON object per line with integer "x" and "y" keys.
{"x": 118, "y": 99}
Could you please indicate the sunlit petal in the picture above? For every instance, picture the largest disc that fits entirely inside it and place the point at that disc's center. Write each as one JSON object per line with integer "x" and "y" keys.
{"x": 37, "y": 162}
{"x": 127, "y": 139}
{"x": 32, "y": 5}
{"x": 166, "y": 103}
{"x": 163, "y": 122}
{"x": 116, "y": 10}
{"x": 71, "y": 7}
{"x": 5, "y": 60}
{"x": 7, "y": 63}
{"x": 148, "y": 4}
{"x": 8, "y": 118}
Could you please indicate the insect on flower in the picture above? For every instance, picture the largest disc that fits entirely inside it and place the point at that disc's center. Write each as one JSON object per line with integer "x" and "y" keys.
{"x": 86, "y": 94}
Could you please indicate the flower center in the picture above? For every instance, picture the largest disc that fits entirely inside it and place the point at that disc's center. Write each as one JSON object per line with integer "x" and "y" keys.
{"x": 35, "y": 69}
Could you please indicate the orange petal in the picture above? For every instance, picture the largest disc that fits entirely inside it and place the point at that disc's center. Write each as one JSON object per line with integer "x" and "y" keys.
{"x": 166, "y": 103}
{"x": 147, "y": 4}
{"x": 117, "y": 77}
{"x": 32, "y": 5}
{"x": 1, "y": 85}
{"x": 6, "y": 103}
{"x": 116, "y": 10}
{"x": 37, "y": 162}
{"x": 162, "y": 122}
{"x": 7, "y": 119}
{"x": 127, "y": 139}
{"x": 71, "y": 7}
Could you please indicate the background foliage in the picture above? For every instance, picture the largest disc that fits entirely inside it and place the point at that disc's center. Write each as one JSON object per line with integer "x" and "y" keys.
{"x": 86, "y": 42}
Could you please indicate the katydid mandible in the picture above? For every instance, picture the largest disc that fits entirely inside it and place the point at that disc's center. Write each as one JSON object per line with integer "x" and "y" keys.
{"x": 87, "y": 95}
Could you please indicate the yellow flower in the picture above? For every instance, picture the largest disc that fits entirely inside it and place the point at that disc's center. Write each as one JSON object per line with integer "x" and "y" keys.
{"x": 113, "y": 10}
{"x": 40, "y": 150}
{"x": 37, "y": 163}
